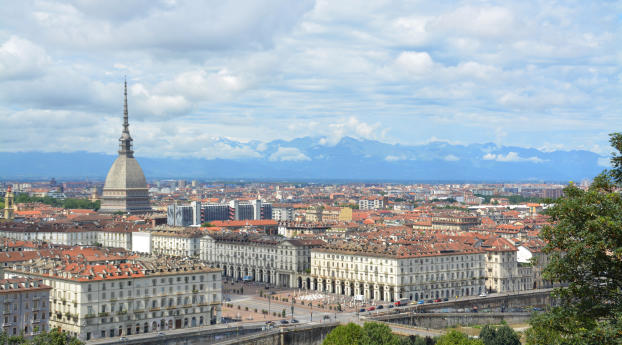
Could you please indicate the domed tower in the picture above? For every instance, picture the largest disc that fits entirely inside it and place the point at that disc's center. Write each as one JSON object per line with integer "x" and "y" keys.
{"x": 125, "y": 189}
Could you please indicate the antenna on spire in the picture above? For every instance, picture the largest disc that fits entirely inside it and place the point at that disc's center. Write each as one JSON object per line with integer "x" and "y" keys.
{"x": 126, "y": 123}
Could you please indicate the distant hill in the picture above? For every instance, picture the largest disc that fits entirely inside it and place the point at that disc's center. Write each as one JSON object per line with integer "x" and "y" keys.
{"x": 311, "y": 158}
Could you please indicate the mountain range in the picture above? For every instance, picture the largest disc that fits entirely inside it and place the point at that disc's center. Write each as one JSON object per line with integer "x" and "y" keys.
{"x": 311, "y": 158}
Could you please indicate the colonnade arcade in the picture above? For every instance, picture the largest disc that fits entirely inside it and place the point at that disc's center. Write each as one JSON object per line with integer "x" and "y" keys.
{"x": 269, "y": 276}
{"x": 379, "y": 292}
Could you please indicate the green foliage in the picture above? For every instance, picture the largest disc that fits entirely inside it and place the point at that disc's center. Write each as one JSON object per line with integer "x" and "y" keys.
{"x": 207, "y": 225}
{"x": 372, "y": 333}
{"x": 503, "y": 335}
{"x": 68, "y": 203}
{"x": 379, "y": 333}
{"x": 350, "y": 334}
{"x": 53, "y": 337}
{"x": 457, "y": 338}
{"x": 417, "y": 340}
{"x": 488, "y": 335}
{"x": 585, "y": 251}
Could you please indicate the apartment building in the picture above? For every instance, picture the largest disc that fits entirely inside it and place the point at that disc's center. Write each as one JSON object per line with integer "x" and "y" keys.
{"x": 268, "y": 259}
{"x": 118, "y": 235}
{"x": 503, "y": 271}
{"x": 138, "y": 295}
{"x": 372, "y": 203}
{"x": 454, "y": 221}
{"x": 25, "y": 306}
{"x": 388, "y": 273}
{"x": 180, "y": 242}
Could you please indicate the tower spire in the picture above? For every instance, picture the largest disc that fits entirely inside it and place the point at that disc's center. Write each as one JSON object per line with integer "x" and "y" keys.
{"x": 125, "y": 142}
{"x": 126, "y": 123}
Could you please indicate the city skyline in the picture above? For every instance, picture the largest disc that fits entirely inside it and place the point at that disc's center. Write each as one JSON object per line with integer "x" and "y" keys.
{"x": 531, "y": 74}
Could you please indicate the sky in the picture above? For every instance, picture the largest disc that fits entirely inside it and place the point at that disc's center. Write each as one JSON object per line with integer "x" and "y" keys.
{"x": 541, "y": 74}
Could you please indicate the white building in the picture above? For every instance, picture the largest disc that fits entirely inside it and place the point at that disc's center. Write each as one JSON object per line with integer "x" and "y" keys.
{"x": 146, "y": 294}
{"x": 399, "y": 271}
{"x": 259, "y": 258}
{"x": 371, "y": 203}
{"x": 25, "y": 306}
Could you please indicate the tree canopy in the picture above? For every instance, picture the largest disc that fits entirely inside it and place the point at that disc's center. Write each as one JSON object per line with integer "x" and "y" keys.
{"x": 372, "y": 333}
{"x": 585, "y": 253}
{"x": 454, "y": 337}
{"x": 503, "y": 335}
{"x": 69, "y": 203}
{"x": 53, "y": 337}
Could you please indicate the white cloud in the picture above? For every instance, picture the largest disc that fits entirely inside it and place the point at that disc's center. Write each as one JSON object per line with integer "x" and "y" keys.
{"x": 288, "y": 154}
{"x": 451, "y": 158}
{"x": 392, "y": 158}
{"x": 415, "y": 63}
{"x": 351, "y": 127}
{"x": 604, "y": 162}
{"x": 511, "y": 157}
{"x": 547, "y": 74}
{"x": 21, "y": 59}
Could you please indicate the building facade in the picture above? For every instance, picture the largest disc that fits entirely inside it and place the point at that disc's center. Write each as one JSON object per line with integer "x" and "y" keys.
{"x": 384, "y": 276}
{"x": 142, "y": 295}
{"x": 25, "y": 306}
{"x": 268, "y": 259}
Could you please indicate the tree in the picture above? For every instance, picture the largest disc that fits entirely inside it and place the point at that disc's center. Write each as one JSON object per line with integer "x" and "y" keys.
{"x": 488, "y": 335}
{"x": 379, "y": 333}
{"x": 585, "y": 252}
{"x": 54, "y": 337}
{"x": 506, "y": 336}
{"x": 457, "y": 338}
{"x": 350, "y": 334}
{"x": 503, "y": 335}
{"x": 372, "y": 333}
{"x": 417, "y": 340}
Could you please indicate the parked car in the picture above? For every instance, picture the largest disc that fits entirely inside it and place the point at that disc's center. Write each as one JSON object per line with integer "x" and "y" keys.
{"x": 390, "y": 306}
{"x": 421, "y": 302}
{"x": 445, "y": 299}
{"x": 269, "y": 322}
{"x": 326, "y": 317}
{"x": 372, "y": 308}
{"x": 284, "y": 322}
{"x": 483, "y": 294}
{"x": 437, "y": 300}
{"x": 295, "y": 321}
{"x": 380, "y": 307}
{"x": 430, "y": 301}
{"x": 537, "y": 309}
{"x": 362, "y": 310}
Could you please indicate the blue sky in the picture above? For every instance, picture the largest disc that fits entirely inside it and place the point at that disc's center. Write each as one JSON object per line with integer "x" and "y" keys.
{"x": 540, "y": 74}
